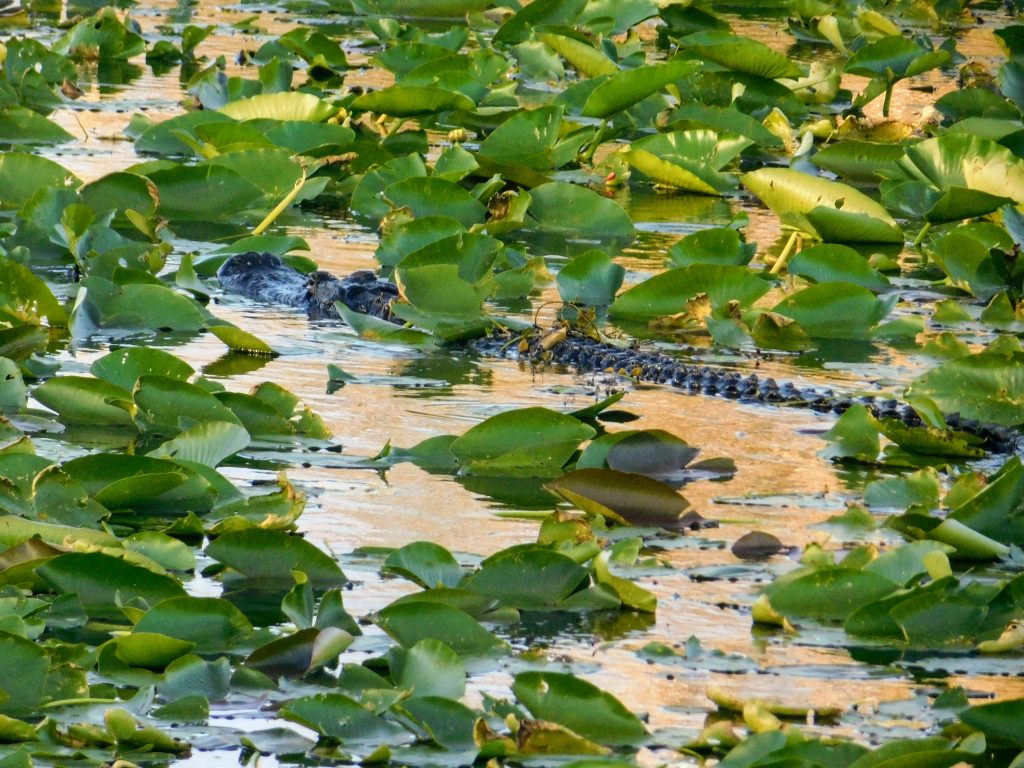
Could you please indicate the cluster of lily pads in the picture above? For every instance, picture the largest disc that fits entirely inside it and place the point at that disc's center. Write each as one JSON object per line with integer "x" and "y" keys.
{"x": 142, "y": 587}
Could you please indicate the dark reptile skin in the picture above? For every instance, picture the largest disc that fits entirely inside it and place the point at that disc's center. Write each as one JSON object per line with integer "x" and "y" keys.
{"x": 264, "y": 277}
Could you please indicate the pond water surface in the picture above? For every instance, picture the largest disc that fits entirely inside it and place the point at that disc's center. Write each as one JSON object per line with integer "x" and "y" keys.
{"x": 403, "y": 395}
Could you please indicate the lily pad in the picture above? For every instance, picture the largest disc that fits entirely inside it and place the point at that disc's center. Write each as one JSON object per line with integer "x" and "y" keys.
{"x": 578, "y": 213}
{"x": 626, "y": 498}
{"x": 829, "y": 210}
{"x": 524, "y": 441}
{"x": 579, "y": 706}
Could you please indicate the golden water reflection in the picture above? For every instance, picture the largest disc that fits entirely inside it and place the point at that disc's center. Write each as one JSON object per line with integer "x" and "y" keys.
{"x": 781, "y": 485}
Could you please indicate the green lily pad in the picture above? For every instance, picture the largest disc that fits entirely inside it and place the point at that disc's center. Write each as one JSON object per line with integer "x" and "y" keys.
{"x": 211, "y": 624}
{"x": 528, "y": 578}
{"x": 668, "y": 293}
{"x": 168, "y": 405}
{"x": 742, "y": 54}
{"x": 626, "y": 498}
{"x": 23, "y": 675}
{"x": 429, "y": 668}
{"x": 428, "y": 564}
{"x": 429, "y": 196}
{"x": 832, "y": 262}
{"x": 411, "y": 622}
{"x": 149, "y": 649}
{"x": 202, "y": 192}
{"x": 717, "y": 245}
{"x": 590, "y": 279}
{"x": 527, "y": 138}
{"x": 829, "y": 210}
{"x": 19, "y": 125}
{"x": 22, "y": 175}
{"x": 835, "y": 310}
{"x": 524, "y": 441}
{"x": 578, "y": 705}
{"x": 829, "y": 593}
{"x": 84, "y": 400}
{"x": 986, "y": 386}
{"x": 412, "y": 101}
{"x": 624, "y": 89}
{"x": 104, "y": 583}
{"x": 264, "y": 554}
{"x": 124, "y": 366}
{"x": 291, "y": 105}
{"x": 337, "y": 716}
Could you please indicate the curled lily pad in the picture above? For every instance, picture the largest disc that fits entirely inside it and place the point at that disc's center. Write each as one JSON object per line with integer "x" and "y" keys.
{"x": 740, "y": 53}
{"x": 829, "y": 210}
{"x": 954, "y": 177}
{"x": 25, "y": 298}
{"x": 689, "y": 160}
{"x": 626, "y": 498}
{"x": 102, "y": 36}
{"x": 654, "y": 452}
{"x": 84, "y": 400}
{"x": 299, "y": 653}
{"x": 584, "y": 58}
{"x": 428, "y": 564}
{"x": 292, "y": 105}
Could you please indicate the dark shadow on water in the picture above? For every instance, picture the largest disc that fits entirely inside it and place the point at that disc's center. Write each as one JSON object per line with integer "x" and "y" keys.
{"x": 451, "y": 369}
{"x": 510, "y": 492}
{"x": 537, "y": 627}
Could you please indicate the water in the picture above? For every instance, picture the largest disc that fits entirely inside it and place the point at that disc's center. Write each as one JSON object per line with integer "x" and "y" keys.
{"x": 403, "y": 396}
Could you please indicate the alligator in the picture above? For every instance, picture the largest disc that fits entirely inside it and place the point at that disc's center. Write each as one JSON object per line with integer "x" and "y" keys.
{"x": 265, "y": 277}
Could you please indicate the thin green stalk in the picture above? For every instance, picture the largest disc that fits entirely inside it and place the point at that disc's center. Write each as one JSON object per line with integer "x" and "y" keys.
{"x": 921, "y": 235}
{"x": 279, "y": 208}
{"x": 784, "y": 256}
{"x": 888, "y": 99}
{"x": 588, "y": 156}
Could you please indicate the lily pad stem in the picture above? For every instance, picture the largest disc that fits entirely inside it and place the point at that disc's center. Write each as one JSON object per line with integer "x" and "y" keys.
{"x": 588, "y": 156}
{"x": 888, "y": 99}
{"x": 921, "y": 235}
{"x": 784, "y": 256}
{"x": 279, "y": 208}
{"x": 395, "y": 126}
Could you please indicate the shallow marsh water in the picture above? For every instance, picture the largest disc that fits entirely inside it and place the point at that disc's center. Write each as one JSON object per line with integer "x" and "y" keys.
{"x": 403, "y": 395}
